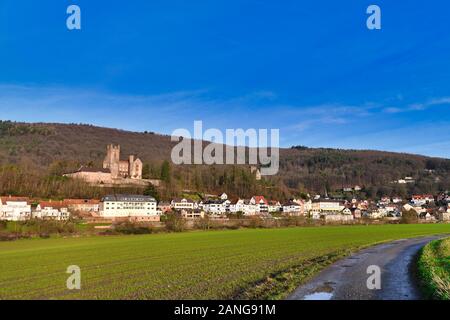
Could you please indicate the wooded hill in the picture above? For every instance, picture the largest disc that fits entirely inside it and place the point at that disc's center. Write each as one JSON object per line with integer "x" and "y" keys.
{"x": 48, "y": 149}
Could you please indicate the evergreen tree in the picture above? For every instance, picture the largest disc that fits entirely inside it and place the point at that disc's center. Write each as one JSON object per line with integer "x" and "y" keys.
{"x": 165, "y": 171}
{"x": 152, "y": 191}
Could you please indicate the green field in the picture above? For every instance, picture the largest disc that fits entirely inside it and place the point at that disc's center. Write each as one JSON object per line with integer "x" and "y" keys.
{"x": 434, "y": 269}
{"x": 246, "y": 263}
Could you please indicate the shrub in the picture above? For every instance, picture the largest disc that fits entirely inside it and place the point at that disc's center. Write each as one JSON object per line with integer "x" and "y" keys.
{"x": 203, "y": 223}
{"x": 131, "y": 228}
{"x": 256, "y": 222}
{"x": 174, "y": 222}
{"x": 409, "y": 217}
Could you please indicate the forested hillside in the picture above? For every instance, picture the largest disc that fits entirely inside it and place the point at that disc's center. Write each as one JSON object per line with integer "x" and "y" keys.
{"x": 48, "y": 150}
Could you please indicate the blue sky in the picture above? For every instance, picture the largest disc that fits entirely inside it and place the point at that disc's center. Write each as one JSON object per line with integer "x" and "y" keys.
{"x": 311, "y": 69}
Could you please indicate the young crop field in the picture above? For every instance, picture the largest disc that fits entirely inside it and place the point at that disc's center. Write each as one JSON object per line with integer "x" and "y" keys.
{"x": 246, "y": 263}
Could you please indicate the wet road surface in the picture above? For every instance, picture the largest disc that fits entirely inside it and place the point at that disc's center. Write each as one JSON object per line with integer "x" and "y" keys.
{"x": 347, "y": 278}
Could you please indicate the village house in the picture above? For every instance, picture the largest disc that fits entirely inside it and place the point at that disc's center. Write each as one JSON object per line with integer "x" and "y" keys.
{"x": 306, "y": 205}
{"x": 15, "y": 208}
{"x": 292, "y": 208}
{"x": 397, "y": 200}
{"x": 183, "y": 203}
{"x": 363, "y": 205}
{"x": 274, "y": 206}
{"x": 83, "y": 205}
{"x": 129, "y": 206}
{"x": 236, "y": 205}
{"x": 326, "y": 205}
{"x": 302, "y": 203}
{"x": 262, "y": 205}
{"x": 250, "y": 209}
{"x": 223, "y": 196}
{"x": 405, "y": 180}
{"x": 392, "y": 208}
{"x": 192, "y": 214}
{"x": 351, "y": 188}
{"x": 51, "y": 210}
{"x": 417, "y": 209}
{"x": 346, "y": 211}
{"x": 409, "y": 180}
{"x": 422, "y": 199}
{"x": 378, "y": 213}
{"x": 164, "y": 207}
{"x": 216, "y": 206}
{"x": 385, "y": 200}
{"x": 444, "y": 216}
{"x": 427, "y": 215}
{"x": 407, "y": 207}
{"x": 354, "y": 210}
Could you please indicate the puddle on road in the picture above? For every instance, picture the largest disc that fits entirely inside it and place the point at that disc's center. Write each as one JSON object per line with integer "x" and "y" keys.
{"x": 323, "y": 292}
{"x": 319, "y": 296}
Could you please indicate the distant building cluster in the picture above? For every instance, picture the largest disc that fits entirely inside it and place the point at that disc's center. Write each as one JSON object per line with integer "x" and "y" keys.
{"x": 141, "y": 208}
{"x": 23, "y": 208}
{"x": 132, "y": 207}
{"x": 318, "y": 208}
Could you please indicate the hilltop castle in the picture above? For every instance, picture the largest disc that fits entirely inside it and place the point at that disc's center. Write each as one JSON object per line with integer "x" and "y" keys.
{"x": 131, "y": 168}
{"x": 115, "y": 172}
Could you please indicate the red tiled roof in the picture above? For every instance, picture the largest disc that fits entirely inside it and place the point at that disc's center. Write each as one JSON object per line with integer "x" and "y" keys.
{"x": 258, "y": 199}
{"x": 422, "y": 196}
{"x": 81, "y": 201}
{"x": 53, "y": 204}
{"x": 14, "y": 198}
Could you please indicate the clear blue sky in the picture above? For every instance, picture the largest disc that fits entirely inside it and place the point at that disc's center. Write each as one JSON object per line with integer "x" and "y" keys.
{"x": 310, "y": 68}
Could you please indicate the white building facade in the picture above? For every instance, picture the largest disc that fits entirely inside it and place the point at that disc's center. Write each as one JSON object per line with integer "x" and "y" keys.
{"x": 183, "y": 204}
{"x": 120, "y": 206}
{"x": 49, "y": 211}
{"x": 216, "y": 206}
{"x": 15, "y": 209}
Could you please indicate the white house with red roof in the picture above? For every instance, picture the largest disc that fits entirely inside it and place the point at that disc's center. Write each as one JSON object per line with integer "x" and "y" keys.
{"x": 421, "y": 199}
{"x": 262, "y": 205}
{"x": 52, "y": 210}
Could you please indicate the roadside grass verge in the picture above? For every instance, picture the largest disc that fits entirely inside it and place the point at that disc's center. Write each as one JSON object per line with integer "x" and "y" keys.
{"x": 434, "y": 269}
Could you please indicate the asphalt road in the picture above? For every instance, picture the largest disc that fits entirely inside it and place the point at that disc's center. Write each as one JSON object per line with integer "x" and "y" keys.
{"x": 347, "y": 278}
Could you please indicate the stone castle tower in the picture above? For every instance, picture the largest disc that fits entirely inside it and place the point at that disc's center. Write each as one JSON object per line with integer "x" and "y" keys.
{"x": 112, "y": 160}
{"x": 131, "y": 168}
